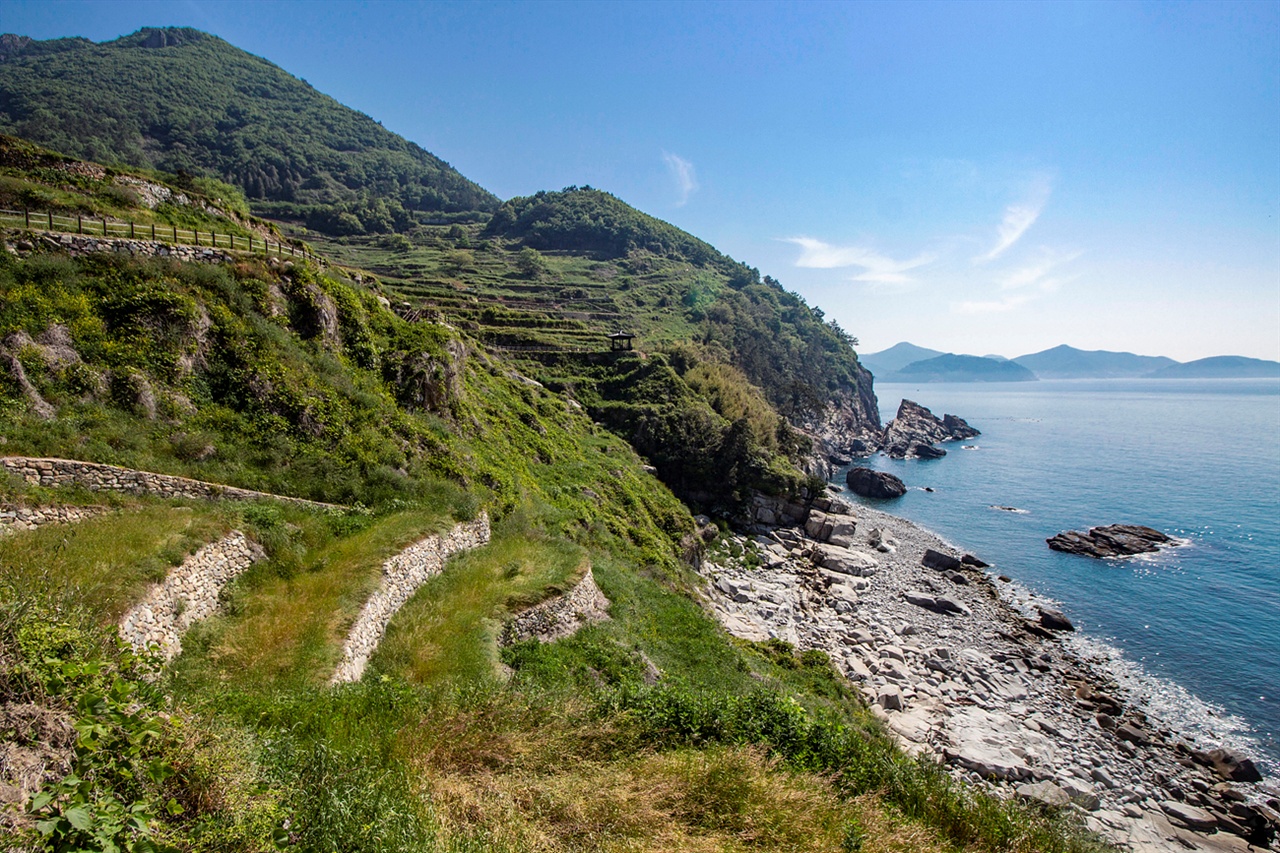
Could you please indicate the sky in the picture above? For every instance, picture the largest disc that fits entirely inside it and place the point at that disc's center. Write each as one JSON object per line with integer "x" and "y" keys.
{"x": 984, "y": 178}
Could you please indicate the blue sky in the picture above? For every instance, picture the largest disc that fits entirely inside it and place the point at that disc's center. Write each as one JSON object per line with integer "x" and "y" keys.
{"x": 973, "y": 177}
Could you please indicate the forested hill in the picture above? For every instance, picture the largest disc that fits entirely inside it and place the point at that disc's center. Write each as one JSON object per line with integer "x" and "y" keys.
{"x": 180, "y": 100}
{"x": 591, "y": 221}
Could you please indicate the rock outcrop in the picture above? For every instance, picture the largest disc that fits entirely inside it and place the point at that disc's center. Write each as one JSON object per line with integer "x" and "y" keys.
{"x": 875, "y": 484}
{"x": 1116, "y": 540}
{"x": 915, "y": 430}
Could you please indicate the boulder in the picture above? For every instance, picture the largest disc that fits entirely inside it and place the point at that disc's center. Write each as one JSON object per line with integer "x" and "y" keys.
{"x": 844, "y": 561}
{"x": 1189, "y": 816}
{"x": 1115, "y": 540}
{"x": 875, "y": 484}
{"x": 1054, "y": 620}
{"x": 937, "y": 560}
{"x": 1045, "y": 792}
{"x": 1229, "y": 764}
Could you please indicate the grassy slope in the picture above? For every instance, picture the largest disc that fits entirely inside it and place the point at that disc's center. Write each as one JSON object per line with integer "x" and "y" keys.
{"x": 736, "y": 747}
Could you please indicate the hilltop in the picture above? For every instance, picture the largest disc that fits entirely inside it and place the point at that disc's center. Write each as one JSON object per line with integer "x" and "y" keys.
{"x": 1064, "y": 362}
{"x": 185, "y": 102}
{"x": 961, "y": 368}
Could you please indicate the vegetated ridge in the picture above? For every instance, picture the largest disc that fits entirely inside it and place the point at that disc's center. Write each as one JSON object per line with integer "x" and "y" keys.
{"x": 183, "y": 101}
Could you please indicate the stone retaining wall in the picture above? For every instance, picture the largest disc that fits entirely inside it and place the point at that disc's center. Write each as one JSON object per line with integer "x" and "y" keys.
{"x": 189, "y": 594}
{"x": 15, "y": 518}
{"x": 561, "y": 616}
{"x": 401, "y": 577}
{"x": 98, "y": 477}
{"x": 85, "y": 244}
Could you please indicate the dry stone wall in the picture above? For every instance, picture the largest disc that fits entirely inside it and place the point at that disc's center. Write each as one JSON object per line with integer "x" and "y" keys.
{"x": 98, "y": 477}
{"x": 401, "y": 577}
{"x": 559, "y": 617}
{"x": 15, "y": 518}
{"x": 189, "y": 594}
{"x": 84, "y": 244}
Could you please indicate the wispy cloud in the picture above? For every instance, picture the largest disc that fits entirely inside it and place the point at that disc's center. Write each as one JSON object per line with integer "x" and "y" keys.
{"x": 683, "y": 174}
{"x": 1018, "y": 218}
{"x": 877, "y": 268}
{"x": 1023, "y": 284}
{"x": 1036, "y": 273}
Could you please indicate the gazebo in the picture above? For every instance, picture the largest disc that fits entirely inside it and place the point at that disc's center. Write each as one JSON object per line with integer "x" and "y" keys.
{"x": 621, "y": 341}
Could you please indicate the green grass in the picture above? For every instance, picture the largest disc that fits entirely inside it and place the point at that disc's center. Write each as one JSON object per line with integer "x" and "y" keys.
{"x": 447, "y": 633}
{"x": 105, "y": 563}
{"x": 286, "y": 618}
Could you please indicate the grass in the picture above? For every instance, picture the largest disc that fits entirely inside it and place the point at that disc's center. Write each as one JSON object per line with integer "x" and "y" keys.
{"x": 447, "y": 633}
{"x": 286, "y": 618}
{"x": 104, "y": 564}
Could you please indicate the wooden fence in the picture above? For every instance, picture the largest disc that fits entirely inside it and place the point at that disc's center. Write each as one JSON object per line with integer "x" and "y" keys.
{"x": 103, "y": 227}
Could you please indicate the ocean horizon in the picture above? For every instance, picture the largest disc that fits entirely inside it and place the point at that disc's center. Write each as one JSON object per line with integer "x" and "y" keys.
{"x": 1192, "y": 632}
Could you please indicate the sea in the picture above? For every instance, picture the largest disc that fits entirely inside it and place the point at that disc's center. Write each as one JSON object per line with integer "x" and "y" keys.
{"x": 1192, "y": 632}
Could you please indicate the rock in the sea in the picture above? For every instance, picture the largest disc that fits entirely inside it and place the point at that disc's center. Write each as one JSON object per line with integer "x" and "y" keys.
{"x": 1115, "y": 540}
{"x": 915, "y": 429}
{"x": 1054, "y": 620}
{"x": 874, "y": 484}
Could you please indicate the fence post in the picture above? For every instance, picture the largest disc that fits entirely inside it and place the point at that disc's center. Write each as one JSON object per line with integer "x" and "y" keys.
{"x": 51, "y": 220}
{"x": 79, "y": 224}
{"x": 104, "y": 226}
{"x": 175, "y": 235}
{"x": 131, "y": 234}
{"x": 26, "y": 215}
{"x": 153, "y": 232}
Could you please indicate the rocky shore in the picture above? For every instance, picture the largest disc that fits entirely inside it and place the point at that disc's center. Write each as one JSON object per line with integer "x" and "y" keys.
{"x": 961, "y": 674}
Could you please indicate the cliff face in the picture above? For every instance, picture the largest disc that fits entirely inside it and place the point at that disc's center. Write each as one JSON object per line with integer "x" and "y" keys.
{"x": 848, "y": 426}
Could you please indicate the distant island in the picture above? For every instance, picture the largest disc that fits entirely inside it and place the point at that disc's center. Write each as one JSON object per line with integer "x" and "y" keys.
{"x": 907, "y": 362}
{"x": 962, "y": 368}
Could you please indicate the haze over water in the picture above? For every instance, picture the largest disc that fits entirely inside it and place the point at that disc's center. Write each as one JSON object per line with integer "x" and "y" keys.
{"x": 1197, "y": 459}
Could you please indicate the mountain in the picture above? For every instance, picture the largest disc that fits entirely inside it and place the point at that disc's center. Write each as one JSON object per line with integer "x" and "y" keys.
{"x": 895, "y": 358}
{"x": 1064, "y": 362}
{"x": 1220, "y": 367}
{"x": 185, "y": 102}
{"x": 961, "y": 368}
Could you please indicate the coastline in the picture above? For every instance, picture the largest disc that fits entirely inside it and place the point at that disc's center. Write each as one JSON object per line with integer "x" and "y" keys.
{"x": 951, "y": 661}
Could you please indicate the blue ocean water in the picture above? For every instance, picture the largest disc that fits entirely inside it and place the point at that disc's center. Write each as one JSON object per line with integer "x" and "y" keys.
{"x": 1198, "y": 459}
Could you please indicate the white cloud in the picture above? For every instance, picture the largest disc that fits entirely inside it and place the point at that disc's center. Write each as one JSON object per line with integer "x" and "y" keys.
{"x": 682, "y": 172}
{"x": 1035, "y": 272}
{"x": 877, "y": 268}
{"x": 1018, "y": 218}
{"x": 1023, "y": 284}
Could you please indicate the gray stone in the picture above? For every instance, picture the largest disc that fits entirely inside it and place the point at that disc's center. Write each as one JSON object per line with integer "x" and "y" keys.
{"x": 1190, "y": 816}
{"x": 1044, "y": 792}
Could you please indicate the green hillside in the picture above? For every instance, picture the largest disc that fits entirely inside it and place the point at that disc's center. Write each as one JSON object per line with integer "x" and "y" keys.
{"x": 553, "y": 274}
{"x": 182, "y": 101}
{"x": 417, "y": 379}
{"x": 291, "y": 379}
